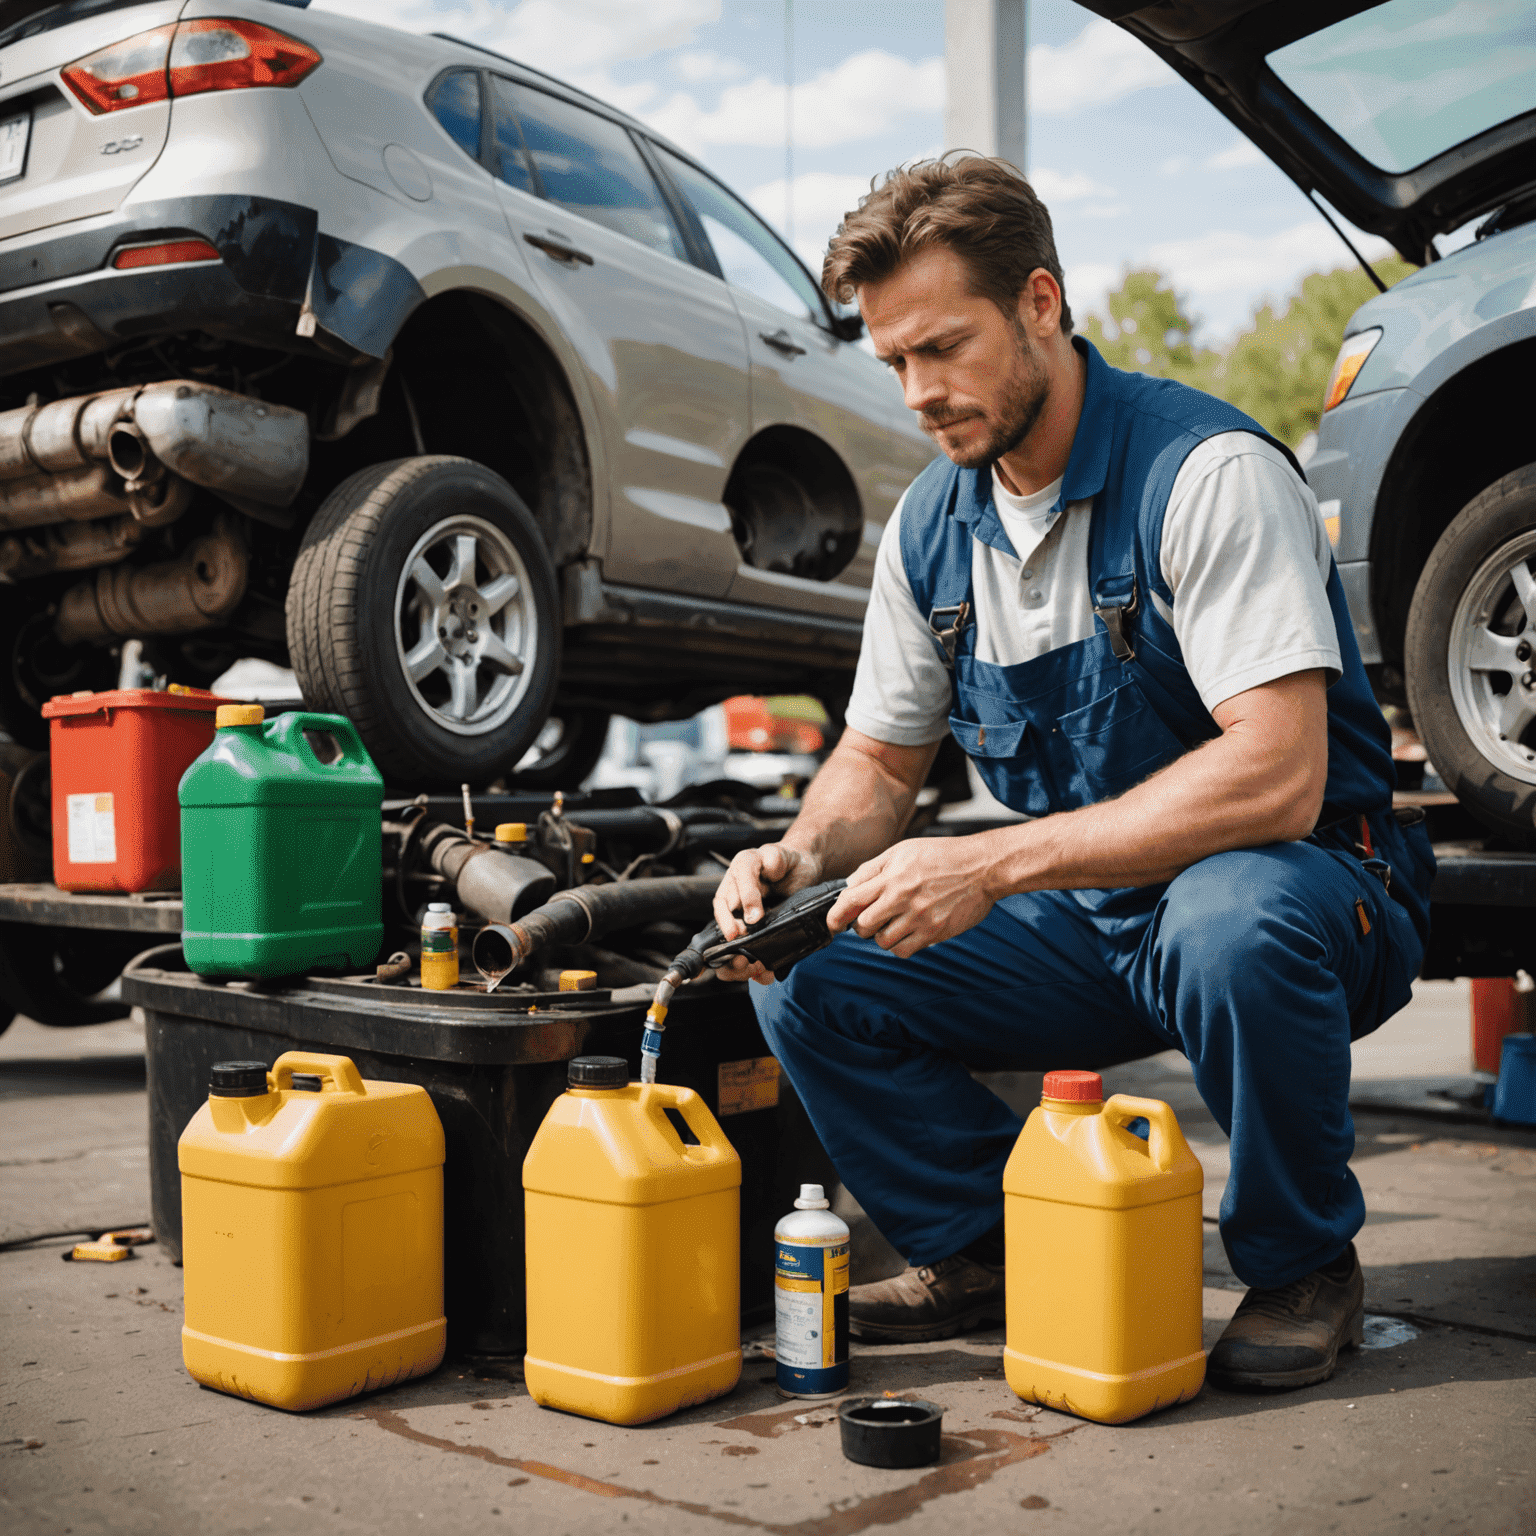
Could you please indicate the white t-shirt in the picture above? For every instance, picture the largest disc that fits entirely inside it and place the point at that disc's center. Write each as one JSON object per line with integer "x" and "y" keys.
{"x": 1244, "y": 552}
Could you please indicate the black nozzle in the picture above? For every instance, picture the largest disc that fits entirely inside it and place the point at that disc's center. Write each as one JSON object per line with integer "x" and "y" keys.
{"x": 597, "y": 1072}
{"x": 238, "y": 1079}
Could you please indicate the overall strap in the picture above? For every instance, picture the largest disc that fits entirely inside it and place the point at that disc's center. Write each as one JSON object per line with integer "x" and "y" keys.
{"x": 936, "y": 554}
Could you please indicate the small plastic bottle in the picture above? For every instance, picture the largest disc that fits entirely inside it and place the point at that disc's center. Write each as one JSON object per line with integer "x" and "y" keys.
{"x": 811, "y": 1298}
{"x": 439, "y": 948}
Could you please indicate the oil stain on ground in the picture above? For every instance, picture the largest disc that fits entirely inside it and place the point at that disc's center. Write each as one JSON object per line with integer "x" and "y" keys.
{"x": 966, "y": 1461}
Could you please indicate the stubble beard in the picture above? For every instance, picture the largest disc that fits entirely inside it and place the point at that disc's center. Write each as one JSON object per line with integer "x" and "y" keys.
{"x": 1023, "y": 401}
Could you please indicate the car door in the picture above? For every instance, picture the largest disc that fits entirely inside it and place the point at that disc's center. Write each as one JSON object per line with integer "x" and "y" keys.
{"x": 805, "y": 376}
{"x": 659, "y": 338}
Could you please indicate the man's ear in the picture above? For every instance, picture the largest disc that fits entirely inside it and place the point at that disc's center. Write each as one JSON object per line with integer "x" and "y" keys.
{"x": 1040, "y": 305}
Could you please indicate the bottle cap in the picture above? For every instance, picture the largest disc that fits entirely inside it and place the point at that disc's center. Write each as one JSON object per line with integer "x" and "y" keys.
{"x": 1074, "y": 1087}
{"x": 237, "y": 1079}
{"x": 438, "y": 906}
{"x": 238, "y": 714}
{"x": 178, "y": 688}
{"x": 597, "y": 1072}
{"x": 577, "y": 981}
{"x": 512, "y": 832}
{"x": 812, "y": 1198}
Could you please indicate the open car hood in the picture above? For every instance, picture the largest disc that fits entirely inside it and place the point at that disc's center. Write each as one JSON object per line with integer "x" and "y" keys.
{"x": 1409, "y": 117}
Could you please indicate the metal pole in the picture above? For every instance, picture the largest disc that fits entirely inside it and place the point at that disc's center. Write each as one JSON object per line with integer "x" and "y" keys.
{"x": 789, "y": 121}
{"x": 984, "y": 58}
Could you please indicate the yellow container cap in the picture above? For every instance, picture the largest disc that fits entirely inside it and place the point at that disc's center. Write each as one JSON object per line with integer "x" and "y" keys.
{"x": 238, "y": 714}
{"x": 577, "y": 981}
{"x": 512, "y": 832}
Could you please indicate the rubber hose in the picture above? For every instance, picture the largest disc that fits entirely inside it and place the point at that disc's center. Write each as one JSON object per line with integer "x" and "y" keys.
{"x": 589, "y": 912}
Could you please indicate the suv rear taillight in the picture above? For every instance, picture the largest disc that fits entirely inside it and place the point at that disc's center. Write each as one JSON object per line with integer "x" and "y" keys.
{"x": 214, "y": 54}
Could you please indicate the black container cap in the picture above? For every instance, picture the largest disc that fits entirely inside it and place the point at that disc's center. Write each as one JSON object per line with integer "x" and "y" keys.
{"x": 597, "y": 1072}
{"x": 238, "y": 1079}
{"x": 890, "y": 1431}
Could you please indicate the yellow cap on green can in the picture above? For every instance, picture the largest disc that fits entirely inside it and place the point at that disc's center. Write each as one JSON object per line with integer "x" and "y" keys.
{"x": 238, "y": 714}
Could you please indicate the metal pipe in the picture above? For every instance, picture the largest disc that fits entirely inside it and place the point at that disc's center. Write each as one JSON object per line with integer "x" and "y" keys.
{"x": 491, "y": 882}
{"x": 194, "y": 592}
{"x": 68, "y": 547}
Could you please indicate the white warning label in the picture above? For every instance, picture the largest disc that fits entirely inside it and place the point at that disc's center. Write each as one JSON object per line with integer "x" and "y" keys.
{"x": 92, "y": 830}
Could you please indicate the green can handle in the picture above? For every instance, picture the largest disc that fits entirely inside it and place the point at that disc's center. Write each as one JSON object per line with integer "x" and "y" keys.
{"x": 288, "y": 731}
{"x": 1163, "y": 1139}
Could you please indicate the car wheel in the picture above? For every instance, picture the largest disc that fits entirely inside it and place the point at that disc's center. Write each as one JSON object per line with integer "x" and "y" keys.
{"x": 564, "y": 752}
{"x": 35, "y": 666}
{"x": 423, "y": 607}
{"x": 1470, "y": 652}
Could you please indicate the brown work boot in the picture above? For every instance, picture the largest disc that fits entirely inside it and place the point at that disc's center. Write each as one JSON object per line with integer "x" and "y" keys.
{"x": 1291, "y": 1336}
{"x": 934, "y": 1302}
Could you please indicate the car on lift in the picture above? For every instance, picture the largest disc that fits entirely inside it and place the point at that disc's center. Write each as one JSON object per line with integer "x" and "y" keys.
{"x": 1416, "y": 120}
{"x": 382, "y": 356}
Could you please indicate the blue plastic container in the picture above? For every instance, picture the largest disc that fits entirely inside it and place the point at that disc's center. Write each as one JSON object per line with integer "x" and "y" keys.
{"x": 1514, "y": 1099}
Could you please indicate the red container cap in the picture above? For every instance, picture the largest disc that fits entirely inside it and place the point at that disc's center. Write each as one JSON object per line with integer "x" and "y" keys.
{"x": 1081, "y": 1087}
{"x": 177, "y": 697}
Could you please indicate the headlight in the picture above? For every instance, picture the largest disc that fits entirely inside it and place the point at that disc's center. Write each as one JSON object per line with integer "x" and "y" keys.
{"x": 1351, "y": 360}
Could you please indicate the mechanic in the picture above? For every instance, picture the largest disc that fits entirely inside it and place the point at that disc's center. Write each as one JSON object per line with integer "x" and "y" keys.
{"x": 1118, "y": 594}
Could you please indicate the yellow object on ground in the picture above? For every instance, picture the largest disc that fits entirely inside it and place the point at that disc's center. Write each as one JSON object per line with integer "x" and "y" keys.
{"x": 633, "y": 1212}
{"x": 312, "y": 1237}
{"x": 1104, "y": 1250}
{"x": 111, "y": 1247}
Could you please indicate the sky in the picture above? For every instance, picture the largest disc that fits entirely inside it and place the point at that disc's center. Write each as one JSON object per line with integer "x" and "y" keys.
{"x": 1135, "y": 167}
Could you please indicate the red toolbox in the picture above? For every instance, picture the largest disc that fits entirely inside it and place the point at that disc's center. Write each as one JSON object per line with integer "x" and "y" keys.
{"x": 116, "y": 759}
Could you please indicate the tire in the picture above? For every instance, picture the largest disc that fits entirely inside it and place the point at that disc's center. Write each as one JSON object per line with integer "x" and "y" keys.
{"x": 565, "y": 751}
{"x": 34, "y": 666}
{"x": 1470, "y": 656}
{"x": 52, "y": 975}
{"x": 376, "y": 573}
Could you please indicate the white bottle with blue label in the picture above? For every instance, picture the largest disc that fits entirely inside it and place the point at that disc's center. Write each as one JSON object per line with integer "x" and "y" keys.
{"x": 811, "y": 1298}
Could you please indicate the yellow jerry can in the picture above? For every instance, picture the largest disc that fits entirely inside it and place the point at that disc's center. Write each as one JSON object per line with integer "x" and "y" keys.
{"x": 632, "y": 1197}
{"x": 311, "y": 1232}
{"x": 1104, "y": 1248}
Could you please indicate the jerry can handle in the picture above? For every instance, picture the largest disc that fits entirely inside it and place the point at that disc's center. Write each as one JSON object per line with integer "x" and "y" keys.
{"x": 289, "y": 732}
{"x": 339, "y": 1071}
{"x": 1163, "y": 1139}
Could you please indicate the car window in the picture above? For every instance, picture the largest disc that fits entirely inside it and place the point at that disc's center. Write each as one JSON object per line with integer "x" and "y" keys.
{"x": 1405, "y": 81}
{"x": 511, "y": 155}
{"x": 455, "y": 103}
{"x": 591, "y": 166}
{"x": 751, "y": 256}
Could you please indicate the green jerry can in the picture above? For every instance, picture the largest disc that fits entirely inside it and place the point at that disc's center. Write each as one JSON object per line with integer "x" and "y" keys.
{"x": 281, "y": 851}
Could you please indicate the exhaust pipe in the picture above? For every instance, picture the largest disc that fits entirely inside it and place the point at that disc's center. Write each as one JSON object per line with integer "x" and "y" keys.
{"x": 68, "y": 547}
{"x": 55, "y": 459}
{"x": 195, "y": 592}
{"x": 491, "y": 882}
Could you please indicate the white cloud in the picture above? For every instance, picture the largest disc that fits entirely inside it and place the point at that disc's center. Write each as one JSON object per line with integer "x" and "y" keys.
{"x": 1228, "y": 261}
{"x": 697, "y": 65}
{"x": 564, "y": 37}
{"x": 1101, "y": 64}
{"x": 1237, "y": 156}
{"x": 857, "y": 99}
{"x": 1174, "y": 165}
{"x": 1065, "y": 186}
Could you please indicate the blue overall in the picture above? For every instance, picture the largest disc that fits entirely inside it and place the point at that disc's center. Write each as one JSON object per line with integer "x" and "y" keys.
{"x": 1260, "y": 964}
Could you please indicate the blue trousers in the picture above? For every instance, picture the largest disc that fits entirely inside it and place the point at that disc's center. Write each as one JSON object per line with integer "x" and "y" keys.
{"x": 1255, "y": 964}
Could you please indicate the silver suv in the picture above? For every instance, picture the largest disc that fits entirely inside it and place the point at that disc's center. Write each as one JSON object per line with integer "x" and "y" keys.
{"x": 389, "y": 358}
{"x": 1414, "y": 118}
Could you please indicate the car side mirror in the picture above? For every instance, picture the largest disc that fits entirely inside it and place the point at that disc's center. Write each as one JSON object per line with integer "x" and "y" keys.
{"x": 847, "y": 327}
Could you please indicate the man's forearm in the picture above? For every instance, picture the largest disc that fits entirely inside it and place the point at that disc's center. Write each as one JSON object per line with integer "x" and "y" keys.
{"x": 859, "y": 803}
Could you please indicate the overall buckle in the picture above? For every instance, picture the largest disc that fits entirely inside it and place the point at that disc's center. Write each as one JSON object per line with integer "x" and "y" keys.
{"x": 1114, "y": 621}
{"x": 949, "y": 638}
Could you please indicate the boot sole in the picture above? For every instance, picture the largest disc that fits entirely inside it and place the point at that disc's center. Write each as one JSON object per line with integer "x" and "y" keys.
{"x": 1307, "y": 1376}
{"x": 925, "y": 1333}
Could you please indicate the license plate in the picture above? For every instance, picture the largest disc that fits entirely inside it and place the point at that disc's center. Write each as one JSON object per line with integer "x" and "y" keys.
{"x": 15, "y": 131}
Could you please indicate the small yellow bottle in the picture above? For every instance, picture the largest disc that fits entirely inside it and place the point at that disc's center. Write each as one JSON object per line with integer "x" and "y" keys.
{"x": 632, "y": 1201}
{"x": 1104, "y": 1248}
{"x": 439, "y": 948}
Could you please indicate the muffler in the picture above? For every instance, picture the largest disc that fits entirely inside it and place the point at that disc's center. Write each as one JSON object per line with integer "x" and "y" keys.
{"x": 194, "y": 592}
{"x": 68, "y": 547}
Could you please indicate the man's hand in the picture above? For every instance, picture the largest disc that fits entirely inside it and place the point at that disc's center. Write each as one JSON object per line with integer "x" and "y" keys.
{"x": 739, "y": 900}
{"x": 918, "y": 893}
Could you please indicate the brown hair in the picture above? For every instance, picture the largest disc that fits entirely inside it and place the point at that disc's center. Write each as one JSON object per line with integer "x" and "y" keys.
{"x": 982, "y": 209}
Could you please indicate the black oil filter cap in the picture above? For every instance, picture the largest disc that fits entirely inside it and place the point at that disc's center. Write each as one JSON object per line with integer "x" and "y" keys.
{"x": 890, "y": 1431}
{"x": 238, "y": 1079}
{"x": 597, "y": 1072}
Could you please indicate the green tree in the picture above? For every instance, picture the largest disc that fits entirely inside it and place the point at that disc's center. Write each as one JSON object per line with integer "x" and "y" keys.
{"x": 1275, "y": 370}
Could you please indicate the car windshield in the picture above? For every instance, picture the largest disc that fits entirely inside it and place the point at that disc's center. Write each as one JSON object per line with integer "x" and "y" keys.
{"x": 1405, "y": 81}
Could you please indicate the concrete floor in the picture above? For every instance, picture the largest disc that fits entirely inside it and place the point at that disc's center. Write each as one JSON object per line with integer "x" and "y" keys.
{"x": 1433, "y": 1428}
